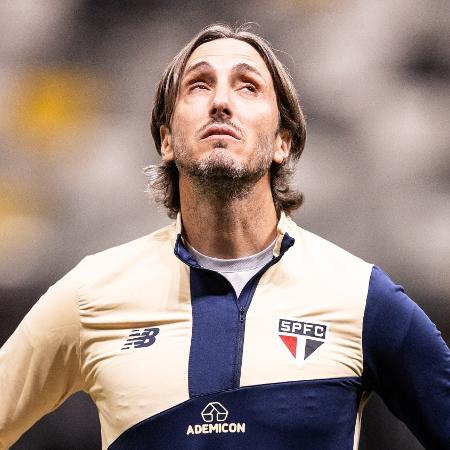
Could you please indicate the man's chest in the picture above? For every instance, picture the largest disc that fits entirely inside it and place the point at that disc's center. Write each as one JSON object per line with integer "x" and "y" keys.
{"x": 144, "y": 355}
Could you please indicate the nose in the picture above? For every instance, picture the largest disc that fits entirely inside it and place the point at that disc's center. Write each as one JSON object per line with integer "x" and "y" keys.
{"x": 220, "y": 105}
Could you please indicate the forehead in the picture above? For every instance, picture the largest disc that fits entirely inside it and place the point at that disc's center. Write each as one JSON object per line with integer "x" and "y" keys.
{"x": 226, "y": 53}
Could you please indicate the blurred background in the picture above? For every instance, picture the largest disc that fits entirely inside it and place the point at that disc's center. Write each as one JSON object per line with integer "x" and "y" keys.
{"x": 77, "y": 81}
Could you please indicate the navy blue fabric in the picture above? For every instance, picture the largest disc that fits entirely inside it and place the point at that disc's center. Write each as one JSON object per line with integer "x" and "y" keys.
{"x": 312, "y": 415}
{"x": 215, "y": 333}
{"x": 286, "y": 243}
{"x": 183, "y": 253}
{"x": 218, "y": 324}
{"x": 407, "y": 362}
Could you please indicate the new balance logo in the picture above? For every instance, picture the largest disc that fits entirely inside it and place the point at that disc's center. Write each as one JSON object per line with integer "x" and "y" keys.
{"x": 138, "y": 339}
{"x": 302, "y": 339}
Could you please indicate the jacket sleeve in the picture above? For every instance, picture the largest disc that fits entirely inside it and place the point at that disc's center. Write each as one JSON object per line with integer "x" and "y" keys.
{"x": 39, "y": 364}
{"x": 407, "y": 362}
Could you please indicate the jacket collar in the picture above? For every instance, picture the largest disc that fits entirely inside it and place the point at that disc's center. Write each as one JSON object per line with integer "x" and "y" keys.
{"x": 283, "y": 240}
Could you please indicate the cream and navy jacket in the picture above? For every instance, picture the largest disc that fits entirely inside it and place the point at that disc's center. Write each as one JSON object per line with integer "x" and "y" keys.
{"x": 174, "y": 360}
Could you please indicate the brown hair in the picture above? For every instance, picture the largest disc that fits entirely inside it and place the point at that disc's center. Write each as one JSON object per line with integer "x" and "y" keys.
{"x": 164, "y": 177}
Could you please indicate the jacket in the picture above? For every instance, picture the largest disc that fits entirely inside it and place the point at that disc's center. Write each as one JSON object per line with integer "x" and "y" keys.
{"x": 174, "y": 360}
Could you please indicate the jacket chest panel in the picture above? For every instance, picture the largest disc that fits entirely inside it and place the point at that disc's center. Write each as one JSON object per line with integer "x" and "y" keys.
{"x": 302, "y": 333}
{"x": 136, "y": 369}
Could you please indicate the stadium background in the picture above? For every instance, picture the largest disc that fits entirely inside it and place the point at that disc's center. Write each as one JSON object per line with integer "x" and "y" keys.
{"x": 77, "y": 81}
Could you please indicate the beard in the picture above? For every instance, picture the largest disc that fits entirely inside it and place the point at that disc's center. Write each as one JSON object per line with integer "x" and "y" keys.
{"x": 219, "y": 174}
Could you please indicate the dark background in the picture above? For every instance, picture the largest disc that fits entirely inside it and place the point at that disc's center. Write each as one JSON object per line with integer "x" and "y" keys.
{"x": 77, "y": 82}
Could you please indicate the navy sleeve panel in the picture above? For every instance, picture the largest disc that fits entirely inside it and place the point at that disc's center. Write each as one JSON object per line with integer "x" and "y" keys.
{"x": 406, "y": 361}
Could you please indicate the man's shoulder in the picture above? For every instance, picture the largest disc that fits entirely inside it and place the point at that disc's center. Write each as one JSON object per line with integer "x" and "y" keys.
{"x": 148, "y": 247}
{"x": 321, "y": 249}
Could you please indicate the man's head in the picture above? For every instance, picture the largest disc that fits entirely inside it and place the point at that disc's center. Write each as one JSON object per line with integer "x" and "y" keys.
{"x": 226, "y": 110}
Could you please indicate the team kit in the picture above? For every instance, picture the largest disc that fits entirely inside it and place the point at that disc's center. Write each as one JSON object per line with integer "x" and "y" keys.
{"x": 174, "y": 359}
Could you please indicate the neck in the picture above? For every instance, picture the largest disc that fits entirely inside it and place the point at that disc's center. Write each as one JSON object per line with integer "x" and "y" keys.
{"x": 228, "y": 228}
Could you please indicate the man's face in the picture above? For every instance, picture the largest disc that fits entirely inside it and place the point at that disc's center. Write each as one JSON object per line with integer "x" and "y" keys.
{"x": 225, "y": 122}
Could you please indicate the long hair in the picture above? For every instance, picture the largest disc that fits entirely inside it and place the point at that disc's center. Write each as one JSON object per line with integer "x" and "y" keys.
{"x": 164, "y": 178}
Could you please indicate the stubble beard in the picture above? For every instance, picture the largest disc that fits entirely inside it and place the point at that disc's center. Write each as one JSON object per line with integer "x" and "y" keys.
{"x": 219, "y": 176}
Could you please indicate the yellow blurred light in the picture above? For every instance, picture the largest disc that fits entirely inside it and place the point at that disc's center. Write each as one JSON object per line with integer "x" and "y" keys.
{"x": 51, "y": 103}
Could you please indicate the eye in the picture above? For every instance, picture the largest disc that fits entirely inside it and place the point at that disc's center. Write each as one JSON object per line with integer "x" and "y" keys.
{"x": 199, "y": 85}
{"x": 249, "y": 87}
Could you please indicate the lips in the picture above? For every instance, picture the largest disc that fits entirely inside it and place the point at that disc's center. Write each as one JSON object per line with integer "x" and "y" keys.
{"x": 219, "y": 130}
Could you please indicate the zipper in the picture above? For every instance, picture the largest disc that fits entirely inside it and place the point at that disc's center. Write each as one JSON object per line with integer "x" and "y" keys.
{"x": 241, "y": 334}
{"x": 242, "y": 314}
{"x": 240, "y": 348}
{"x": 242, "y": 311}
{"x": 242, "y": 303}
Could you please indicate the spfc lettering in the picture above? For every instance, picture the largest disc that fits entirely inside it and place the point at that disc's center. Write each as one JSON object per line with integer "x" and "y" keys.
{"x": 302, "y": 339}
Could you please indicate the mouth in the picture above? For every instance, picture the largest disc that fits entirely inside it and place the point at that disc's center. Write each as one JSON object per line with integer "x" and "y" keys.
{"x": 219, "y": 132}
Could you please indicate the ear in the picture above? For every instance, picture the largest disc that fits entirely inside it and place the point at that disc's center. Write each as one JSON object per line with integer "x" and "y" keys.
{"x": 282, "y": 149}
{"x": 166, "y": 143}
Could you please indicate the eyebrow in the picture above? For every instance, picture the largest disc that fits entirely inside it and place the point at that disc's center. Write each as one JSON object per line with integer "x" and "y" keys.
{"x": 196, "y": 66}
{"x": 238, "y": 68}
{"x": 244, "y": 67}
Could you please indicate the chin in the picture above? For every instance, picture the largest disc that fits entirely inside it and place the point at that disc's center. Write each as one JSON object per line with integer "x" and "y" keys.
{"x": 219, "y": 160}
{"x": 219, "y": 156}
{"x": 220, "y": 144}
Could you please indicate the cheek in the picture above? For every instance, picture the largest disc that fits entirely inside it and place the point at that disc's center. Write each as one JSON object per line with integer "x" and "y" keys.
{"x": 179, "y": 123}
{"x": 188, "y": 116}
{"x": 262, "y": 116}
{"x": 265, "y": 126}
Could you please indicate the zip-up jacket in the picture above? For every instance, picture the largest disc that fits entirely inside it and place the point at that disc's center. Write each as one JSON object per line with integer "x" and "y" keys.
{"x": 173, "y": 359}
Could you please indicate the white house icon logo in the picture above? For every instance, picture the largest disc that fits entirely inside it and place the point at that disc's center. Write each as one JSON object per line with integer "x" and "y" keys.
{"x": 214, "y": 411}
{"x": 215, "y": 415}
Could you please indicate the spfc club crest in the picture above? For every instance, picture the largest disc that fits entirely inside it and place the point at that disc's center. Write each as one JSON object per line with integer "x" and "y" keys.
{"x": 302, "y": 339}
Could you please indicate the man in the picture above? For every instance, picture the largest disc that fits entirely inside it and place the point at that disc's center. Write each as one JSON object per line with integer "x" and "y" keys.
{"x": 232, "y": 327}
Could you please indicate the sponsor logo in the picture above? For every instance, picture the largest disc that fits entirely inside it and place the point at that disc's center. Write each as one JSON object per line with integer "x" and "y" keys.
{"x": 215, "y": 416}
{"x": 214, "y": 410}
{"x": 139, "y": 339}
{"x": 302, "y": 339}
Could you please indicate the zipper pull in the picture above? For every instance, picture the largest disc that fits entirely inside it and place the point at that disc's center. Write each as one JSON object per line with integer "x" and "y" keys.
{"x": 242, "y": 314}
